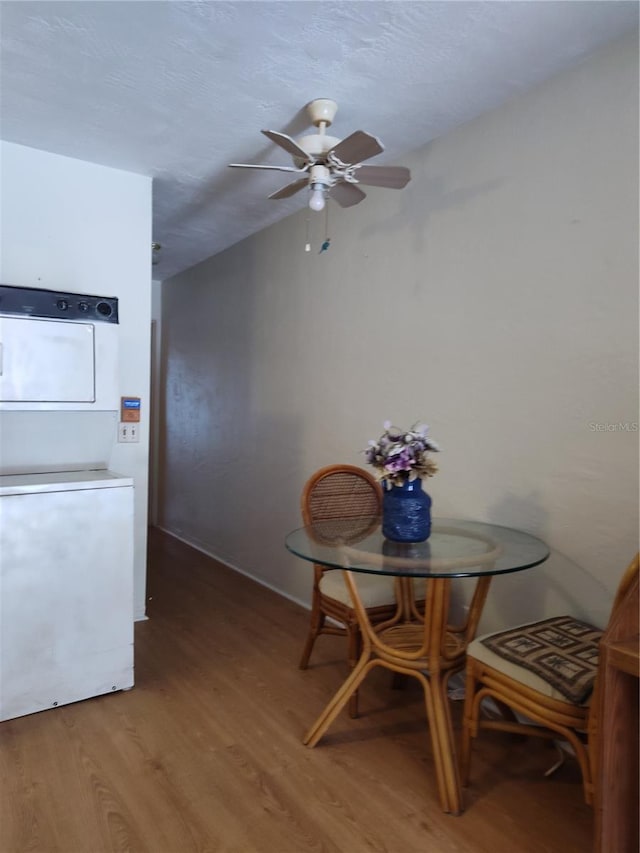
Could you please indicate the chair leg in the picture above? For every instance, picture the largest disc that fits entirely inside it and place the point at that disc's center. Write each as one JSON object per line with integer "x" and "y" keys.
{"x": 582, "y": 757}
{"x": 354, "y": 650}
{"x": 315, "y": 628}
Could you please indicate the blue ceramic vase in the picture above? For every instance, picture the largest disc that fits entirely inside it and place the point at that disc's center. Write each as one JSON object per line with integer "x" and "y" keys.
{"x": 406, "y": 513}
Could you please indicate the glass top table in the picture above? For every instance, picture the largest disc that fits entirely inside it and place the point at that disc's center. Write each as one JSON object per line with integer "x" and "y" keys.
{"x": 455, "y": 548}
{"x": 419, "y": 639}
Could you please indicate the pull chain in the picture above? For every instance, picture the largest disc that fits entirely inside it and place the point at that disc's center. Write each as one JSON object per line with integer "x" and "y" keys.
{"x": 327, "y": 239}
{"x": 307, "y": 245}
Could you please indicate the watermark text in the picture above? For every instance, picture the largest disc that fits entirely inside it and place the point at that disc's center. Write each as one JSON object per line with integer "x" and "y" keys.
{"x": 620, "y": 426}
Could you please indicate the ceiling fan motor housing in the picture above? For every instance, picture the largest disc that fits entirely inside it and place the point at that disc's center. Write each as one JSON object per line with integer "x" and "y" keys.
{"x": 320, "y": 177}
{"x": 317, "y": 145}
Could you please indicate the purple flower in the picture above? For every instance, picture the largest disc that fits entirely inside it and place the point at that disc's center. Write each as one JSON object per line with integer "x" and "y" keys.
{"x": 401, "y": 455}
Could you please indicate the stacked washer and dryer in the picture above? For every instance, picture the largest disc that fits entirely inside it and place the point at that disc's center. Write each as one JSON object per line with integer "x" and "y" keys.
{"x": 66, "y": 520}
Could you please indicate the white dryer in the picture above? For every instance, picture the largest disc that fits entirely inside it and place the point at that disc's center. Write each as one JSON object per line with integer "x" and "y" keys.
{"x": 66, "y": 520}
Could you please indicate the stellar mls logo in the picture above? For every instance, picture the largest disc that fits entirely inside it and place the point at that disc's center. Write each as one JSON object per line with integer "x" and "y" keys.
{"x": 626, "y": 426}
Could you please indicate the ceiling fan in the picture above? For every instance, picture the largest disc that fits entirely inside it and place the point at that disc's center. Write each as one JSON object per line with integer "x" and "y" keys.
{"x": 330, "y": 166}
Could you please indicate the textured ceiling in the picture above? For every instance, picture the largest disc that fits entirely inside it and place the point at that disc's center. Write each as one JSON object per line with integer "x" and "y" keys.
{"x": 177, "y": 90}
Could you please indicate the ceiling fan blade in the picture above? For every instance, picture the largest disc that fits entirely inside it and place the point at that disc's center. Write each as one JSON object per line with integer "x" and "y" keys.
{"x": 392, "y": 177}
{"x": 356, "y": 148}
{"x": 289, "y": 145}
{"x": 275, "y": 168}
{"x": 290, "y": 189}
{"x": 346, "y": 194}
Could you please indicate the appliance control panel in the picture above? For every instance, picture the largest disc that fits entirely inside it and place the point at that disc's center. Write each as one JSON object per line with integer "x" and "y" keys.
{"x": 56, "y": 304}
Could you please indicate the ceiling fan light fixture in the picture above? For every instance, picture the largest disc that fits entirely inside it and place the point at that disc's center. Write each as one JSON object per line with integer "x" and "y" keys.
{"x": 316, "y": 199}
{"x": 320, "y": 181}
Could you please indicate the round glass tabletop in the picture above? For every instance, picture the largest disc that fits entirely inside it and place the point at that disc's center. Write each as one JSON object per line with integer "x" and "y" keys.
{"x": 455, "y": 548}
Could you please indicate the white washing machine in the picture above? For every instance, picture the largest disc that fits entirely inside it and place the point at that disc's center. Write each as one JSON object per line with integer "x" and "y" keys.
{"x": 66, "y": 520}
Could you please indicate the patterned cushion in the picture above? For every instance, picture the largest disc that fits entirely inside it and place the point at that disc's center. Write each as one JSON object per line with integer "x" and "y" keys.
{"x": 557, "y": 657}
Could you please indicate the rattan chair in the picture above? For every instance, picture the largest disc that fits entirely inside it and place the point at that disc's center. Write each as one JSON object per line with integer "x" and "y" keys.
{"x": 530, "y": 703}
{"x": 340, "y": 491}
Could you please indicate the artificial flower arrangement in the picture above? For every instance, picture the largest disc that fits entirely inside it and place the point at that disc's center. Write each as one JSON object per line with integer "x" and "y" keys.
{"x": 400, "y": 456}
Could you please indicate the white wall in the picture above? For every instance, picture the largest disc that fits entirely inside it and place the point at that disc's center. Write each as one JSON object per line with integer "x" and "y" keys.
{"x": 71, "y": 225}
{"x": 494, "y": 298}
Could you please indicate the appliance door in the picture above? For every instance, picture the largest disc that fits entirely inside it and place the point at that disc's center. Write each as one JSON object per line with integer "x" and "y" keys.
{"x": 66, "y": 595}
{"x": 58, "y": 364}
{"x": 46, "y": 361}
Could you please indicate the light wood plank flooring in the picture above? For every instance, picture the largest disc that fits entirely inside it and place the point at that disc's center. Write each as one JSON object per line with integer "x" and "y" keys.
{"x": 205, "y": 753}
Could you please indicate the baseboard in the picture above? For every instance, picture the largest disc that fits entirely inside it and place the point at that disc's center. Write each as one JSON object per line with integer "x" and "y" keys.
{"x": 234, "y": 568}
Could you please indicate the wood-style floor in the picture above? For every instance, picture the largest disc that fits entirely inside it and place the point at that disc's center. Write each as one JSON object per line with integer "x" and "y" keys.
{"x": 205, "y": 753}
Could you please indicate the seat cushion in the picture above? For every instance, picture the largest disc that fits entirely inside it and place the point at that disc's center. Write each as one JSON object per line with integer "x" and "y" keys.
{"x": 374, "y": 590}
{"x": 558, "y": 657}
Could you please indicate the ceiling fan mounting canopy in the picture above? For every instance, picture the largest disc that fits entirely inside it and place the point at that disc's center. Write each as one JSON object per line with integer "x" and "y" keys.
{"x": 331, "y": 166}
{"x": 322, "y": 110}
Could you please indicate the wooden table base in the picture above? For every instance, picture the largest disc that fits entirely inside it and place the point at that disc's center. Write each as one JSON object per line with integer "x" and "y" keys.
{"x": 428, "y": 650}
